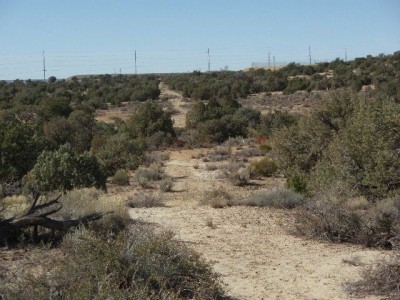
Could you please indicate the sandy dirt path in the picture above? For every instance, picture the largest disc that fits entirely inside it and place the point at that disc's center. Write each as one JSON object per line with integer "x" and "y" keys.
{"x": 251, "y": 247}
{"x": 177, "y": 102}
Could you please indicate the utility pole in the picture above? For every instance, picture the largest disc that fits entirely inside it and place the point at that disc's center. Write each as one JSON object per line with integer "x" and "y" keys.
{"x": 309, "y": 54}
{"x": 269, "y": 59}
{"x": 135, "y": 64}
{"x": 273, "y": 58}
{"x": 208, "y": 54}
{"x": 44, "y": 67}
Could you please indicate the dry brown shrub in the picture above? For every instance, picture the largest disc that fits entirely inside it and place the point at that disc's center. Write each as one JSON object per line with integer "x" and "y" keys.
{"x": 382, "y": 279}
{"x": 217, "y": 198}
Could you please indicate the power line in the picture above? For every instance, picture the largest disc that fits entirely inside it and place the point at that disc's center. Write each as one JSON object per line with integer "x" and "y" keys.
{"x": 273, "y": 57}
{"x": 135, "y": 64}
{"x": 44, "y": 67}
{"x": 208, "y": 53}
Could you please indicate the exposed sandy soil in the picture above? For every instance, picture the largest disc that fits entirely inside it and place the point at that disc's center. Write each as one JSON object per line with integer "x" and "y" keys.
{"x": 251, "y": 248}
{"x": 123, "y": 112}
{"x": 178, "y": 104}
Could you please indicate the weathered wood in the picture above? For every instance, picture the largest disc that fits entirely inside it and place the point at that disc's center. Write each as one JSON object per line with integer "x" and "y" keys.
{"x": 38, "y": 215}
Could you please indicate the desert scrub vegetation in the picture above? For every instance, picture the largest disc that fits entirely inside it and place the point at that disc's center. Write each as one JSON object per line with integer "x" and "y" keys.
{"x": 249, "y": 152}
{"x": 279, "y": 197}
{"x": 382, "y": 279}
{"x": 264, "y": 167}
{"x": 121, "y": 177}
{"x": 138, "y": 264}
{"x": 64, "y": 170}
{"x": 350, "y": 140}
{"x": 145, "y": 176}
{"x": 145, "y": 200}
{"x": 112, "y": 258}
{"x": 238, "y": 173}
{"x": 375, "y": 225}
{"x": 166, "y": 183}
{"x": 217, "y": 198}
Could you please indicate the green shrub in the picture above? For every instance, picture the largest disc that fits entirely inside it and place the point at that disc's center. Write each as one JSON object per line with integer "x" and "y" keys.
{"x": 121, "y": 177}
{"x": 64, "y": 170}
{"x": 297, "y": 182}
{"x": 148, "y": 120}
{"x": 120, "y": 152}
{"x": 265, "y": 148}
{"x": 350, "y": 141}
{"x": 265, "y": 167}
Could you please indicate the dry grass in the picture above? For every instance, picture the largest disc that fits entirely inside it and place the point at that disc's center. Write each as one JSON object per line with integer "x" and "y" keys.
{"x": 276, "y": 197}
{"x": 145, "y": 200}
{"x": 382, "y": 279}
{"x": 217, "y": 198}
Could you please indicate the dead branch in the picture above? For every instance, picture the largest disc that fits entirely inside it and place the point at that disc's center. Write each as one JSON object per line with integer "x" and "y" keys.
{"x": 38, "y": 215}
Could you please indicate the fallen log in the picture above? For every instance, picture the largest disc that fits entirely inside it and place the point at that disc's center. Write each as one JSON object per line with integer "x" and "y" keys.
{"x": 38, "y": 215}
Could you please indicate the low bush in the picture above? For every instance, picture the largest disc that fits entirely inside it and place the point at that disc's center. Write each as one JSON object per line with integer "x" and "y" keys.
{"x": 155, "y": 158}
{"x": 297, "y": 182}
{"x": 121, "y": 177}
{"x": 376, "y": 225}
{"x": 211, "y": 167}
{"x": 136, "y": 265}
{"x": 249, "y": 152}
{"x": 383, "y": 279}
{"x": 328, "y": 220}
{"x": 145, "y": 201}
{"x": 238, "y": 173}
{"x": 166, "y": 184}
{"x": 218, "y": 154}
{"x": 265, "y": 148}
{"x": 277, "y": 197}
{"x": 144, "y": 176}
{"x": 217, "y": 198}
{"x": 264, "y": 167}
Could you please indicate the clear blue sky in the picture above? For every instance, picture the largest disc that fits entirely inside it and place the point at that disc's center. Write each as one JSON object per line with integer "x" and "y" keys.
{"x": 92, "y": 37}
